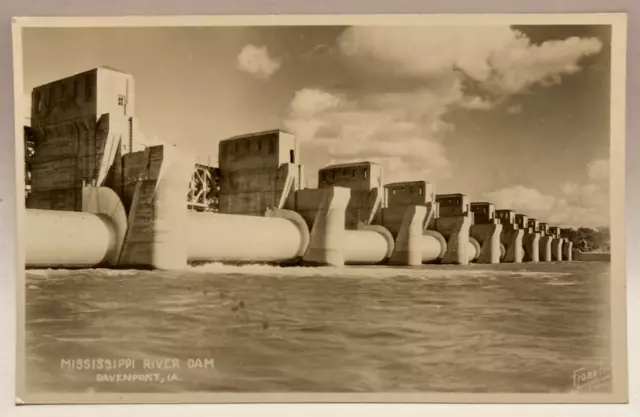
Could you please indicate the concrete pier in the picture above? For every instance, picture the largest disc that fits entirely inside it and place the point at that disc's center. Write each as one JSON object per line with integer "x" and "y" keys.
{"x": 512, "y": 240}
{"x": 511, "y": 237}
{"x": 454, "y": 224}
{"x": 328, "y": 231}
{"x": 364, "y": 179}
{"x": 456, "y": 231}
{"x": 556, "y": 249}
{"x": 158, "y": 213}
{"x": 567, "y": 250}
{"x": 366, "y": 194}
{"x": 400, "y": 196}
{"x": 531, "y": 241}
{"x": 488, "y": 236}
{"x": 556, "y": 244}
{"x": 545, "y": 243}
{"x": 545, "y": 248}
{"x": 414, "y": 245}
{"x": 486, "y": 231}
{"x": 408, "y": 245}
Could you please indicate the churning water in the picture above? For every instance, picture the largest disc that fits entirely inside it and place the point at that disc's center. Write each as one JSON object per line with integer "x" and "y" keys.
{"x": 492, "y": 328}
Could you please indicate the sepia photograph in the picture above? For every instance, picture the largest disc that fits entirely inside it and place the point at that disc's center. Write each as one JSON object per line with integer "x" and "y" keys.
{"x": 321, "y": 209}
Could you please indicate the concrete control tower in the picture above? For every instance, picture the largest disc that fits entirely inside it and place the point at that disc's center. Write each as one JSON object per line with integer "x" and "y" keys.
{"x": 258, "y": 171}
{"x": 80, "y": 125}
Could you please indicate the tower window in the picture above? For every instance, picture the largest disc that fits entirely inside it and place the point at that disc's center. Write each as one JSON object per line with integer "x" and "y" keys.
{"x": 292, "y": 156}
{"x": 120, "y": 100}
{"x": 353, "y": 173}
{"x": 365, "y": 173}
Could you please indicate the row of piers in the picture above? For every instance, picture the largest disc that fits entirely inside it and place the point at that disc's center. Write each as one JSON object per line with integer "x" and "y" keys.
{"x": 98, "y": 196}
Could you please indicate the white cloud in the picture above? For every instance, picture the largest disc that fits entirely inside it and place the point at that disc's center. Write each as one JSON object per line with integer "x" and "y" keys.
{"x": 515, "y": 109}
{"x": 521, "y": 198}
{"x": 476, "y": 103}
{"x": 577, "y": 204}
{"x": 500, "y": 59}
{"x": 425, "y": 52}
{"x": 399, "y": 131}
{"x": 409, "y": 79}
{"x": 522, "y": 64}
{"x": 311, "y": 101}
{"x": 256, "y": 61}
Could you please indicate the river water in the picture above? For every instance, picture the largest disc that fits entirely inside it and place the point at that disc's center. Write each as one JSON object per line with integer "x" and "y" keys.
{"x": 479, "y": 328}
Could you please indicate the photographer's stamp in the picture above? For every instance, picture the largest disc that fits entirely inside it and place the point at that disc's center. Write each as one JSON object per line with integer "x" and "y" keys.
{"x": 590, "y": 379}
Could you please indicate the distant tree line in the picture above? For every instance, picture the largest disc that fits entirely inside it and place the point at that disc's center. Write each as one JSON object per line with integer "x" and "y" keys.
{"x": 589, "y": 240}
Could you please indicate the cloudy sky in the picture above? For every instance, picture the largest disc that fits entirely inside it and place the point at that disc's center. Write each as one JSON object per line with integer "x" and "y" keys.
{"x": 518, "y": 116}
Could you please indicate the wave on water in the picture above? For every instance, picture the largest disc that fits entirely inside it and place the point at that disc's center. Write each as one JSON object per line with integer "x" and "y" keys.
{"x": 53, "y": 272}
{"x": 278, "y": 328}
{"x": 268, "y": 270}
{"x": 380, "y": 272}
{"x": 560, "y": 284}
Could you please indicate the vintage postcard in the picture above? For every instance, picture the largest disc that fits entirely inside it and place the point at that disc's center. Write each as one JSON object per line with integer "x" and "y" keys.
{"x": 344, "y": 208}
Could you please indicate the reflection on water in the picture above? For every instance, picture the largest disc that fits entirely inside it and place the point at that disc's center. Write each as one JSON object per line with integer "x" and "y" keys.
{"x": 499, "y": 328}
